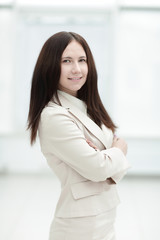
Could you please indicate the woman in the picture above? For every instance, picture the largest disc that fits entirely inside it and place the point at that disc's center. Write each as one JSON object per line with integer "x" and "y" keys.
{"x": 77, "y": 138}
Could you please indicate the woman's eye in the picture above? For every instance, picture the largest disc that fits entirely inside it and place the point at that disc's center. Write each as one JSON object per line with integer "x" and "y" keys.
{"x": 66, "y": 61}
{"x": 83, "y": 60}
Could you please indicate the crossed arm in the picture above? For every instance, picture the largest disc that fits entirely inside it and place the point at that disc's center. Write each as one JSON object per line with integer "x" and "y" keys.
{"x": 117, "y": 142}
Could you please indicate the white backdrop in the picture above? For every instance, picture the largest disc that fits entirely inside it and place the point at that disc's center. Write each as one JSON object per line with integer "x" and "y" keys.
{"x": 125, "y": 44}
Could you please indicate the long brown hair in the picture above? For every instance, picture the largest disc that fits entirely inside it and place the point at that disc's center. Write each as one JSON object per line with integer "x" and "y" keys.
{"x": 46, "y": 78}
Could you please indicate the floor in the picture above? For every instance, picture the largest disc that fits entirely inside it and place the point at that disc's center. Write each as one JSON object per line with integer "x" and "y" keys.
{"x": 27, "y": 204}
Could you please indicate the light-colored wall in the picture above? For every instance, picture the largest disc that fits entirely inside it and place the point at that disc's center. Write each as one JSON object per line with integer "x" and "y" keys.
{"x": 125, "y": 44}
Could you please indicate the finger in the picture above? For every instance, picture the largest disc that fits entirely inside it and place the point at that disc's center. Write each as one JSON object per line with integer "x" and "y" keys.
{"x": 92, "y": 145}
{"x": 115, "y": 138}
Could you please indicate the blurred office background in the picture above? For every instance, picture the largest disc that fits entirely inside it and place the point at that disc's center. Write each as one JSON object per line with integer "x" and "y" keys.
{"x": 124, "y": 37}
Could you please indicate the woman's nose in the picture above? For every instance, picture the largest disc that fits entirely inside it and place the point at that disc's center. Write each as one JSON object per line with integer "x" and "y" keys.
{"x": 76, "y": 68}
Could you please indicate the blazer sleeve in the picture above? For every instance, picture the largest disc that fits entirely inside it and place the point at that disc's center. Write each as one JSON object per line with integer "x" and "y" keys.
{"x": 61, "y": 137}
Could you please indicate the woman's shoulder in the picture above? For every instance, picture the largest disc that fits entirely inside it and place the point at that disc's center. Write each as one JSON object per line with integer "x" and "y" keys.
{"x": 53, "y": 109}
{"x": 55, "y": 117}
{"x": 54, "y": 114}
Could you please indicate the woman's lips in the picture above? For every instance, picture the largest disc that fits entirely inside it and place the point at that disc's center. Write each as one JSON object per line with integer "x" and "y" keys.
{"x": 75, "y": 78}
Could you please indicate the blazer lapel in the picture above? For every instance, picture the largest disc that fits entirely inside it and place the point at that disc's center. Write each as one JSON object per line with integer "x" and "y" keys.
{"x": 89, "y": 124}
{"x": 84, "y": 119}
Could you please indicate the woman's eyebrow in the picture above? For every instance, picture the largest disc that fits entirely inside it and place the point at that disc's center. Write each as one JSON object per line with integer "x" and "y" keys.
{"x": 71, "y": 57}
{"x": 66, "y": 57}
{"x": 83, "y": 57}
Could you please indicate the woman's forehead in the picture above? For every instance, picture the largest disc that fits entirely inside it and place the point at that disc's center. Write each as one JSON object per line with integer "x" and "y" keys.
{"x": 74, "y": 48}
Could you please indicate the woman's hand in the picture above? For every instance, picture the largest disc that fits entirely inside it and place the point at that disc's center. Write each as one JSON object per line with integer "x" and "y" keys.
{"x": 120, "y": 143}
{"x": 91, "y": 144}
{"x": 117, "y": 142}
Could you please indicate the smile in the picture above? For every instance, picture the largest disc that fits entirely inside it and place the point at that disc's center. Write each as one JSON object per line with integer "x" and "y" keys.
{"x": 75, "y": 78}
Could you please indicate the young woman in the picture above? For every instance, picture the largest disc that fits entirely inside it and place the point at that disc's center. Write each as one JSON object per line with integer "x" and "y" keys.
{"x": 77, "y": 138}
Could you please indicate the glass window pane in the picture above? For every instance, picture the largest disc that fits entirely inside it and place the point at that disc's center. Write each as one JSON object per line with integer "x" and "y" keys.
{"x": 137, "y": 82}
{"x": 6, "y": 70}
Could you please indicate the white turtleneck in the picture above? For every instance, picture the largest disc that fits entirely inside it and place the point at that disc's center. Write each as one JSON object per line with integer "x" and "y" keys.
{"x": 75, "y": 101}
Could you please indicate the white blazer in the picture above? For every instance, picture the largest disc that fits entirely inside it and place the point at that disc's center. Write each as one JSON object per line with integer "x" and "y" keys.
{"x": 85, "y": 174}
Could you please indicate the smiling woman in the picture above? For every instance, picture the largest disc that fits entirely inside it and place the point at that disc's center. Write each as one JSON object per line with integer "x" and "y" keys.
{"x": 77, "y": 139}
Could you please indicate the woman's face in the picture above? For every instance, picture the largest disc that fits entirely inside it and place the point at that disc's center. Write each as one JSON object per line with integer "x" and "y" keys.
{"x": 74, "y": 68}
